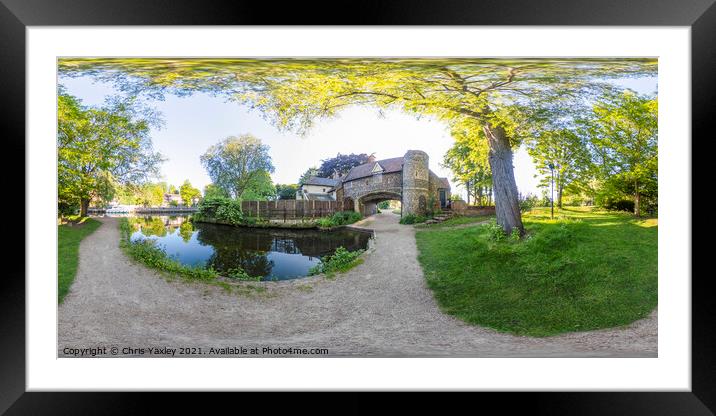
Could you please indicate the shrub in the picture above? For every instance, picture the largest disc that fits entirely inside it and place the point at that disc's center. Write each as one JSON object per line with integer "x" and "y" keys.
{"x": 339, "y": 218}
{"x": 342, "y": 260}
{"x": 495, "y": 231}
{"x": 221, "y": 209}
{"x": 413, "y": 219}
{"x": 528, "y": 202}
{"x": 238, "y": 273}
{"x": 619, "y": 205}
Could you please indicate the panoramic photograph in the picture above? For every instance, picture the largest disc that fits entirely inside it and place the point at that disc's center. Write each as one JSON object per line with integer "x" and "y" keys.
{"x": 357, "y": 207}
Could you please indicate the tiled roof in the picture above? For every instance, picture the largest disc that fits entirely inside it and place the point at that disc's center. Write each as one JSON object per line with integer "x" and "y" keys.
{"x": 361, "y": 171}
{"x": 444, "y": 183}
{"x": 315, "y": 180}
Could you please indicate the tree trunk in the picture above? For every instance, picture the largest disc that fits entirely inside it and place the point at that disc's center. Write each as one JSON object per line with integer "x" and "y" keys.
{"x": 637, "y": 209}
{"x": 468, "y": 192}
{"x": 84, "y": 207}
{"x": 507, "y": 203}
{"x": 560, "y": 189}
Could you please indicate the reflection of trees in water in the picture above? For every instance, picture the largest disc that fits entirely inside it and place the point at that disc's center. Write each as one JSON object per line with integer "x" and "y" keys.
{"x": 158, "y": 226}
{"x": 249, "y": 248}
{"x": 186, "y": 229}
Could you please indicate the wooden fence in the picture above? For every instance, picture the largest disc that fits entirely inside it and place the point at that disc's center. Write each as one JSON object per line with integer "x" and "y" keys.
{"x": 290, "y": 209}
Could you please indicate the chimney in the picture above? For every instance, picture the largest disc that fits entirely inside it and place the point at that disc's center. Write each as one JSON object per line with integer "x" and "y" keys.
{"x": 371, "y": 158}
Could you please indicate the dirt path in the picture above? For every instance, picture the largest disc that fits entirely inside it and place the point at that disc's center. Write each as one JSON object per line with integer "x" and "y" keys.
{"x": 380, "y": 308}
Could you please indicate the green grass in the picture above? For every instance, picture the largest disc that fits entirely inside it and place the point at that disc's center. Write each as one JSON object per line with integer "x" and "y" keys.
{"x": 584, "y": 270}
{"x": 68, "y": 252}
{"x": 340, "y": 262}
{"x": 460, "y": 220}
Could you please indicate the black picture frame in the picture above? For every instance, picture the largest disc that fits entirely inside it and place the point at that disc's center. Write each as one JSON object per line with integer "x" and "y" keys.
{"x": 16, "y": 15}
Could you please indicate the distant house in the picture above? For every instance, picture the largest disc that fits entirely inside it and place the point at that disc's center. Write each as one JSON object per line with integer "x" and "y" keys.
{"x": 169, "y": 197}
{"x": 319, "y": 189}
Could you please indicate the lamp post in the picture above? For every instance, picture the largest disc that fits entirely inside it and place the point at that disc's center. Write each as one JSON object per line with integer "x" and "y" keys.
{"x": 551, "y": 168}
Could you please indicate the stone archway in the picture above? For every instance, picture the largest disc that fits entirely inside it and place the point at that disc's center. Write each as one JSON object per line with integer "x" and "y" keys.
{"x": 368, "y": 203}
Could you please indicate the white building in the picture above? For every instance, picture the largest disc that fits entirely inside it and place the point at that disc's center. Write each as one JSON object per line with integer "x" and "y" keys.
{"x": 319, "y": 189}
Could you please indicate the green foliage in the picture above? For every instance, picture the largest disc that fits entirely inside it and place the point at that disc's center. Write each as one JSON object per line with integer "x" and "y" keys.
{"x": 624, "y": 135}
{"x": 237, "y": 162}
{"x": 238, "y": 273}
{"x": 259, "y": 188}
{"x": 528, "y": 202}
{"x": 221, "y": 209}
{"x": 619, "y": 205}
{"x": 212, "y": 191}
{"x": 287, "y": 191}
{"x": 308, "y": 174}
{"x": 69, "y": 237}
{"x": 101, "y": 147}
{"x": 189, "y": 193}
{"x": 413, "y": 219}
{"x": 567, "y": 151}
{"x": 341, "y": 261}
{"x": 146, "y": 252}
{"x": 339, "y": 218}
{"x": 385, "y": 205}
{"x": 584, "y": 270}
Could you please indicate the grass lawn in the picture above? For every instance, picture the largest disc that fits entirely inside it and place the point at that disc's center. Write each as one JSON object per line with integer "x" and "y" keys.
{"x": 583, "y": 270}
{"x": 68, "y": 246}
{"x": 460, "y": 220}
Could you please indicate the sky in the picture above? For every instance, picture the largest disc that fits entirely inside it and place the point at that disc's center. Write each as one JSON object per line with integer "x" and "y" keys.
{"x": 193, "y": 123}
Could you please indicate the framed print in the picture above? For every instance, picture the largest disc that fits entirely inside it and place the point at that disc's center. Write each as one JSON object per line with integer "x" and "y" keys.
{"x": 451, "y": 199}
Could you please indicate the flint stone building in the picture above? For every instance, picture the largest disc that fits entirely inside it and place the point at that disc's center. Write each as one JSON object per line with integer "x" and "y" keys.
{"x": 407, "y": 179}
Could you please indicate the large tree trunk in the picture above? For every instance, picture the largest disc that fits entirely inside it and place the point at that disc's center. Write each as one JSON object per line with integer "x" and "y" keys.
{"x": 507, "y": 203}
{"x": 84, "y": 207}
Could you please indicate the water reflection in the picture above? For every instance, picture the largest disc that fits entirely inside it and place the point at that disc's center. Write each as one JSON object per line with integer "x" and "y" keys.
{"x": 274, "y": 254}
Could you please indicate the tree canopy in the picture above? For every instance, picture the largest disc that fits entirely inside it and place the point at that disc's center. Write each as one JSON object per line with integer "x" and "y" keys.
{"x": 340, "y": 164}
{"x": 491, "y": 99}
{"x": 236, "y": 162}
{"x": 189, "y": 193}
{"x": 100, "y": 148}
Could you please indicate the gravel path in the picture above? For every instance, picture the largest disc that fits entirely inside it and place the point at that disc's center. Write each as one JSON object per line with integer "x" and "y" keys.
{"x": 380, "y": 308}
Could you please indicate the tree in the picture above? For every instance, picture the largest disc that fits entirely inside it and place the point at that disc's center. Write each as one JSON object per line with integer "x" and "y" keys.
{"x": 259, "y": 188}
{"x": 310, "y": 172}
{"x": 188, "y": 193}
{"x": 468, "y": 161}
{"x": 566, "y": 151}
{"x": 152, "y": 194}
{"x": 287, "y": 191}
{"x": 235, "y": 162}
{"x": 340, "y": 164}
{"x": 624, "y": 135}
{"x": 212, "y": 191}
{"x": 490, "y": 97}
{"x": 101, "y": 147}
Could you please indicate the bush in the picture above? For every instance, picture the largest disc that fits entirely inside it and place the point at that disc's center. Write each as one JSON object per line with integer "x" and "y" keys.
{"x": 619, "y": 205}
{"x": 342, "y": 260}
{"x": 413, "y": 219}
{"x": 221, "y": 209}
{"x": 339, "y": 218}
{"x": 495, "y": 231}
{"x": 528, "y": 202}
{"x": 238, "y": 273}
